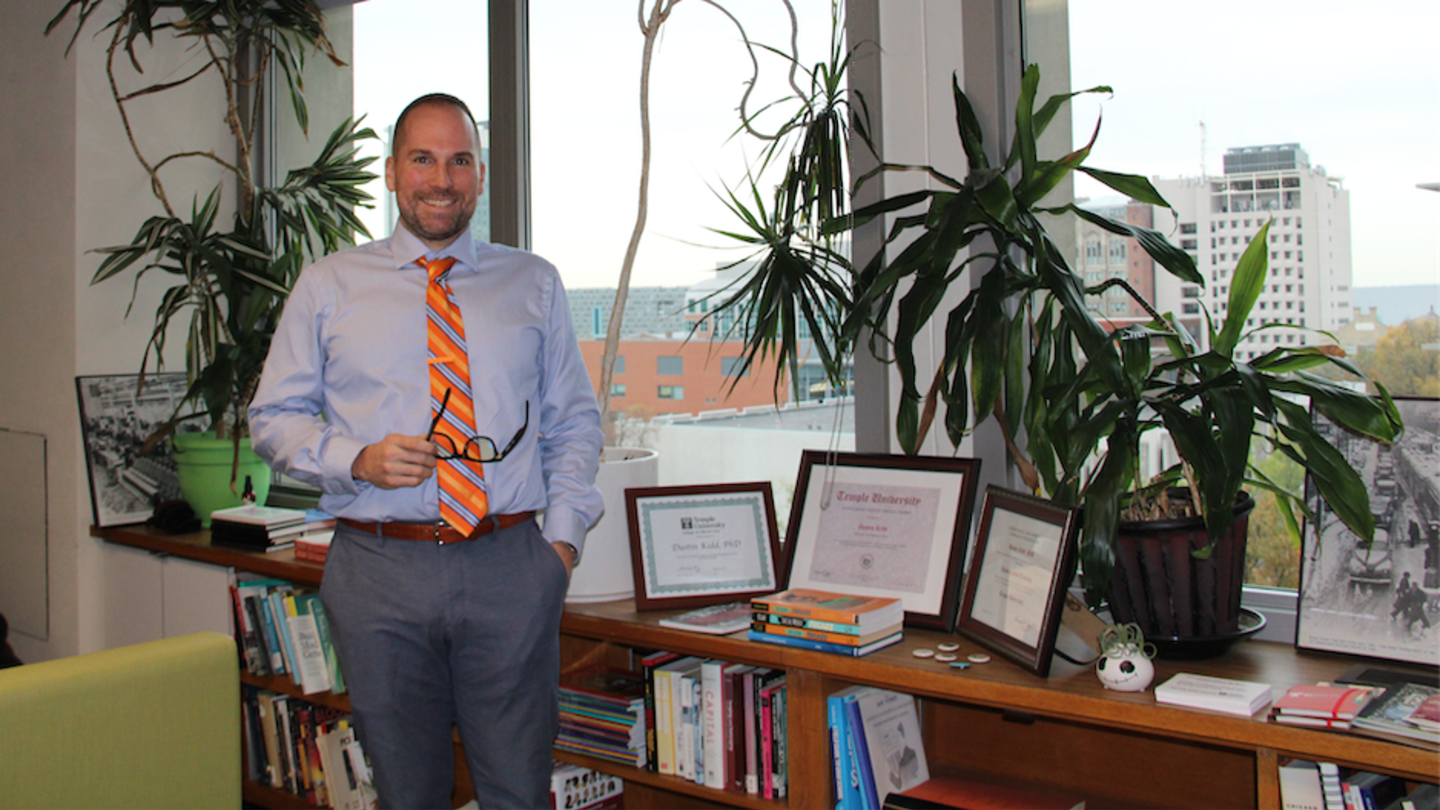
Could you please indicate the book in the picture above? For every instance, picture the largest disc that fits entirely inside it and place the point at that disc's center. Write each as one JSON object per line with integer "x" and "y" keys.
{"x": 1330, "y": 785}
{"x": 765, "y": 734}
{"x": 310, "y": 655}
{"x": 648, "y": 663}
{"x": 780, "y": 734}
{"x": 313, "y": 547}
{"x": 807, "y": 624}
{"x": 332, "y": 659}
{"x": 945, "y": 792}
{"x": 1311, "y": 722}
{"x": 1323, "y": 700}
{"x": 891, "y": 726}
{"x": 752, "y": 743}
{"x": 1389, "y": 712}
{"x": 846, "y": 785}
{"x": 821, "y": 646}
{"x": 255, "y": 515}
{"x": 1300, "y": 786}
{"x": 732, "y": 696}
{"x": 716, "y": 620}
{"x": 1215, "y": 694}
{"x": 844, "y": 639}
{"x": 1427, "y": 714}
{"x": 712, "y": 724}
{"x": 865, "y": 770}
{"x": 867, "y": 612}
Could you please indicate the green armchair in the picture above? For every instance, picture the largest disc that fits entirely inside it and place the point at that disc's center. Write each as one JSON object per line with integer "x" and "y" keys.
{"x": 149, "y": 725}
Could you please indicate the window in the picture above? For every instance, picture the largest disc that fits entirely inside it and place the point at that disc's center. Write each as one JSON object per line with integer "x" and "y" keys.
{"x": 669, "y": 366}
{"x": 1117, "y": 251}
{"x": 619, "y": 364}
{"x": 383, "y": 84}
{"x": 1094, "y": 252}
{"x": 671, "y": 392}
{"x": 617, "y": 389}
{"x": 729, "y": 366}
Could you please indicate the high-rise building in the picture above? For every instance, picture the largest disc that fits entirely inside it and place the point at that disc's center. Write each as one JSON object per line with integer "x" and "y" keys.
{"x": 1309, "y": 274}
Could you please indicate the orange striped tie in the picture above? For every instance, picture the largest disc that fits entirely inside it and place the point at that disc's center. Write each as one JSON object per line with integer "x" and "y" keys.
{"x": 463, "y": 503}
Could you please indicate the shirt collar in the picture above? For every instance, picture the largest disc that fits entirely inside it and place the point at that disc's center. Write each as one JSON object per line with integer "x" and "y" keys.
{"x": 407, "y": 247}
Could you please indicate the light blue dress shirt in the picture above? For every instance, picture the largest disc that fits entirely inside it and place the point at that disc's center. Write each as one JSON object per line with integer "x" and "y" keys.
{"x": 348, "y": 368}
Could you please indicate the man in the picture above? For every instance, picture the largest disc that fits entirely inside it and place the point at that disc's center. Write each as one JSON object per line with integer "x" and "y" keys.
{"x": 366, "y": 395}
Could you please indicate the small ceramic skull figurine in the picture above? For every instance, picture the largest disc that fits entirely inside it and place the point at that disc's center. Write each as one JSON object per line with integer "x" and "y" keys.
{"x": 1124, "y": 663}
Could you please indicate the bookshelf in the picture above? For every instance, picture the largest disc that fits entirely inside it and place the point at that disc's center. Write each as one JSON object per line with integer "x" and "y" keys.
{"x": 993, "y": 720}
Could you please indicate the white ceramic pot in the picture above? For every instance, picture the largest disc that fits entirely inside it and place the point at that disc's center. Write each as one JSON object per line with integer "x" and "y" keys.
{"x": 605, "y": 573}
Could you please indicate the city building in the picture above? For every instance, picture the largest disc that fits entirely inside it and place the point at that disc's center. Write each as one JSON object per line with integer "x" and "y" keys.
{"x": 1309, "y": 273}
{"x": 1104, "y": 256}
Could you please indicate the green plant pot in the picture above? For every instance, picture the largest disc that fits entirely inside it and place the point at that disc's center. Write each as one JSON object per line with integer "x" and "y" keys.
{"x": 205, "y": 463}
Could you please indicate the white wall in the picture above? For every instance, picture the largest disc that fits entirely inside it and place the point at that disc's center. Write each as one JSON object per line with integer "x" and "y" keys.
{"x": 72, "y": 185}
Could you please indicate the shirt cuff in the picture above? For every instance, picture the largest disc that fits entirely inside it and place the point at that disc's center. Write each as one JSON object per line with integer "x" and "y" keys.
{"x": 340, "y": 455}
{"x": 564, "y": 525}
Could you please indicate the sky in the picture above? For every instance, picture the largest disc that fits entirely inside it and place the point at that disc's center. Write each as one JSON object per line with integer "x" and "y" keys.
{"x": 1359, "y": 92}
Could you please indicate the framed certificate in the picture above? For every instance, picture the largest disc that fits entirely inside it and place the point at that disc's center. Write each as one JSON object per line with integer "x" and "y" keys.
{"x": 882, "y": 525}
{"x": 1023, "y": 562}
{"x": 702, "y": 545}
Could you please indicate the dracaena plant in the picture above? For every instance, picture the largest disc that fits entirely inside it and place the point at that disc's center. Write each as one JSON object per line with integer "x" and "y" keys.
{"x": 229, "y": 276}
{"x": 1072, "y": 396}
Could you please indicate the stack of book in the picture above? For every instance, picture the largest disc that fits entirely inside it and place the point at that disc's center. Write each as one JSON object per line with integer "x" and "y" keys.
{"x": 1215, "y": 694}
{"x": 283, "y": 630}
{"x": 602, "y": 714}
{"x": 1404, "y": 712}
{"x": 1321, "y": 705}
{"x": 305, "y": 749}
{"x": 829, "y": 622}
{"x": 716, "y": 723}
{"x": 314, "y": 547}
{"x": 265, "y": 528}
{"x": 875, "y": 746}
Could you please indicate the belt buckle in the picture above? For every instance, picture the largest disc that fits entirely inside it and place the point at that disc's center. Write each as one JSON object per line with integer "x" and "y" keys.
{"x": 439, "y": 527}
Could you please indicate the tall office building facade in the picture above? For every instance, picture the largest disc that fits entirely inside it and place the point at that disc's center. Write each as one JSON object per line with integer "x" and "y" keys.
{"x": 1308, "y": 277}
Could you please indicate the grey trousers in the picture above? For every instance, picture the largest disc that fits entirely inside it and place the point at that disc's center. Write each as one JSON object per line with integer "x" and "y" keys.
{"x": 464, "y": 634}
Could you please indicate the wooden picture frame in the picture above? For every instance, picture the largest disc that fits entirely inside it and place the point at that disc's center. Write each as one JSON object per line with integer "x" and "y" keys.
{"x": 116, "y": 418}
{"x": 1024, "y": 559}
{"x": 694, "y": 546}
{"x": 1383, "y": 600}
{"x": 883, "y": 525}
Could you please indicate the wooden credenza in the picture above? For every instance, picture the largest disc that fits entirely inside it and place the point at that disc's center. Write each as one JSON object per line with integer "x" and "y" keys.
{"x": 992, "y": 720}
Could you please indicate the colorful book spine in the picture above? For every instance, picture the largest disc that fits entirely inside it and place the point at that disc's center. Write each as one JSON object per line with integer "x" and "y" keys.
{"x": 808, "y": 624}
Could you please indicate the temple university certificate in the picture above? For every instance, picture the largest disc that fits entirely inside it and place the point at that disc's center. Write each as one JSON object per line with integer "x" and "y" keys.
{"x": 1019, "y": 566}
{"x": 876, "y": 536}
{"x": 699, "y": 543}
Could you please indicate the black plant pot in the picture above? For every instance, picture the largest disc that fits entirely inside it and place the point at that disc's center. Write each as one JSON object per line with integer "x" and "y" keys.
{"x": 1158, "y": 584}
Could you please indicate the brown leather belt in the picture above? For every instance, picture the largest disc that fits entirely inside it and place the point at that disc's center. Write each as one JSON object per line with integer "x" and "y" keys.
{"x": 439, "y": 532}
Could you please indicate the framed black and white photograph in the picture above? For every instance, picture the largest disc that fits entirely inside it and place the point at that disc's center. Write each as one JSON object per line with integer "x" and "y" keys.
{"x": 1023, "y": 561}
{"x": 116, "y": 418}
{"x": 883, "y": 525}
{"x": 695, "y": 546}
{"x": 1381, "y": 599}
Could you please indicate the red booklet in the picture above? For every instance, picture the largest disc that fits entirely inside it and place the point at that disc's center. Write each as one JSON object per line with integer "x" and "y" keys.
{"x": 1318, "y": 700}
{"x": 1427, "y": 714}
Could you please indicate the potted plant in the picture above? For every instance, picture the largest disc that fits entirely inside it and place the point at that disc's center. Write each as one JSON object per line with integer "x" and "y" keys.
{"x": 1072, "y": 396}
{"x": 230, "y": 275}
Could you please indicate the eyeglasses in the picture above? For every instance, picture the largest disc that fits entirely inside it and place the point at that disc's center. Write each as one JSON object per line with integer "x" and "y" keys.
{"x": 477, "y": 448}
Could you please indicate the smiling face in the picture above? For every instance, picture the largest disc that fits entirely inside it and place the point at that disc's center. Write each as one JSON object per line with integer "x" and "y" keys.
{"x": 435, "y": 172}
